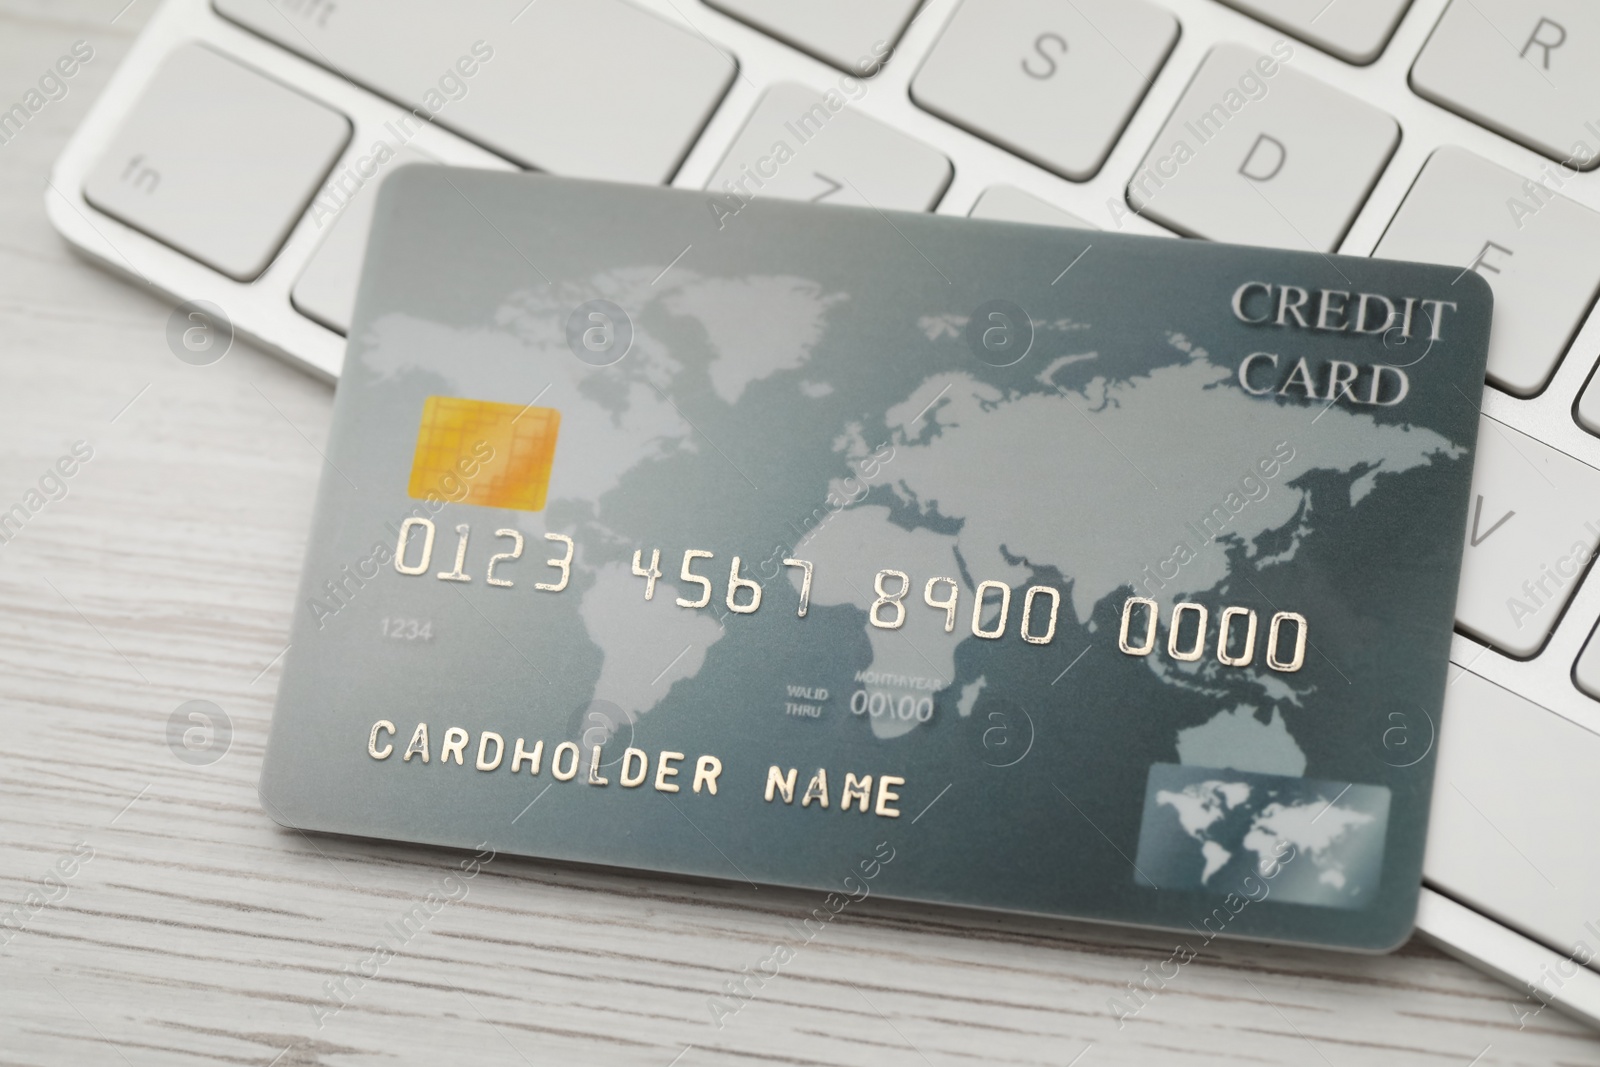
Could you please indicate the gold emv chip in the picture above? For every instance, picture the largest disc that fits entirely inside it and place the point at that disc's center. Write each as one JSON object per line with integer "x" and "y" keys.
{"x": 479, "y": 452}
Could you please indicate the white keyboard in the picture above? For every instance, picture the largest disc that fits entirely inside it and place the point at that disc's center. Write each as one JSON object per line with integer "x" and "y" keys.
{"x": 234, "y": 156}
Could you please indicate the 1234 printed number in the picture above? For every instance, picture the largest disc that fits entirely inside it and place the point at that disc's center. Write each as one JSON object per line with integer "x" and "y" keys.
{"x": 407, "y": 629}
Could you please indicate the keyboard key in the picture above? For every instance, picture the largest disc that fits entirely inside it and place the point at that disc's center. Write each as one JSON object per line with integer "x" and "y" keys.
{"x": 589, "y": 88}
{"x": 1532, "y": 527}
{"x": 217, "y": 161}
{"x": 853, "y": 35}
{"x": 1532, "y": 245}
{"x": 1588, "y": 669}
{"x": 1009, "y": 204}
{"x": 797, "y": 147}
{"x": 1530, "y": 71}
{"x": 1054, "y": 81}
{"x": 1257, "y": 153}
{"x": 1354, "y": 30}
{"x": 326, "y": 289}
{"x": 1501, "y": 834}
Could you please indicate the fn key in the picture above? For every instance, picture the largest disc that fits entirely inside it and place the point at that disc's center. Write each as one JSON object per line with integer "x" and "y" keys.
{"x": 217, "y": 161}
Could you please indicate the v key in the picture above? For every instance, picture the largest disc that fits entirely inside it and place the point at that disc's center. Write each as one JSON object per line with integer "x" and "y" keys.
{"x": 1477, "y": 517}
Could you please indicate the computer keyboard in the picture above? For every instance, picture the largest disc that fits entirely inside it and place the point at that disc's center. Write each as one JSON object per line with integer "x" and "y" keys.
{"x": 234, "y": 155}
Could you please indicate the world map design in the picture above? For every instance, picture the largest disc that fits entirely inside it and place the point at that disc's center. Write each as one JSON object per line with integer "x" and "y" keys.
{"x": 1315, "y": 842}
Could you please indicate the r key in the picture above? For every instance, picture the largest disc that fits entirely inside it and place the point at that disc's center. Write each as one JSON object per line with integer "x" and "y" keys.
{"x": 1528, "y": 71}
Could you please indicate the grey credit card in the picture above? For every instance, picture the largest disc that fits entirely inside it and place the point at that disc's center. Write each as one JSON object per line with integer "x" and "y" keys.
{"x": 1004, "y": 566}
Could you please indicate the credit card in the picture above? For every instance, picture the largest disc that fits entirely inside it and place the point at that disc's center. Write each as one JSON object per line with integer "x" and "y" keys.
{"x": 1009, "y": 567}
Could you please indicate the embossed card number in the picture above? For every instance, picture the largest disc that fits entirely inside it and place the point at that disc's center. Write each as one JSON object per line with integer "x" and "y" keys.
{"x": 1236, "y": 634}
{"x": 1041, "y": 604}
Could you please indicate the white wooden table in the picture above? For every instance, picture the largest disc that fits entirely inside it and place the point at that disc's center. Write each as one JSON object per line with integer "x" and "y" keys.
{"x": 191, "y": 928}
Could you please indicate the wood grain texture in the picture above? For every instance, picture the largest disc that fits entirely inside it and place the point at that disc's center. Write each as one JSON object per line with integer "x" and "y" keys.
{"x": 202, "y": 932}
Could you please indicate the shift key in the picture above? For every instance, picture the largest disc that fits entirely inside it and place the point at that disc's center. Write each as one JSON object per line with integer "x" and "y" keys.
{"x": 588, "y": 88}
